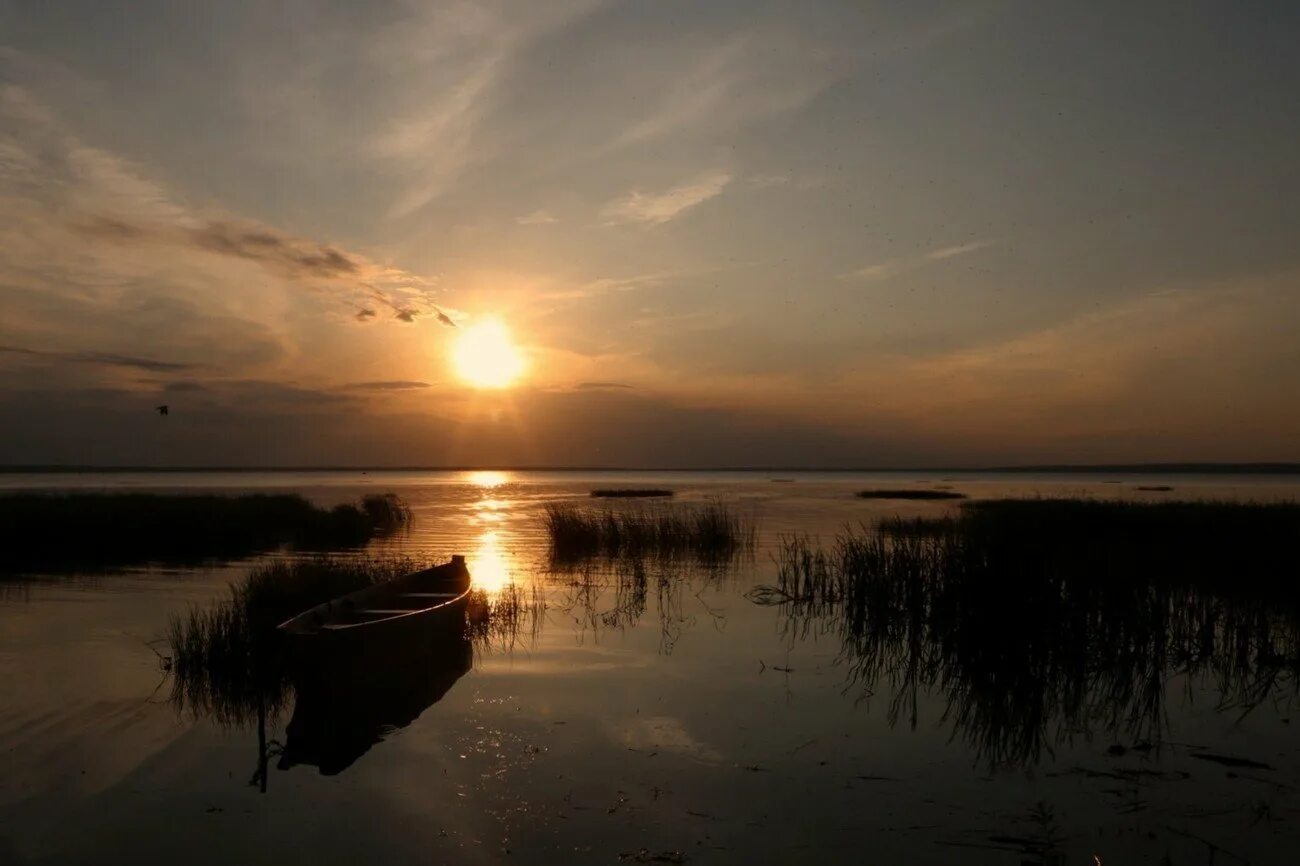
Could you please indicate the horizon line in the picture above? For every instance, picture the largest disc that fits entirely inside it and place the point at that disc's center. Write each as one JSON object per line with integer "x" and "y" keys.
{"x": 1209, "y": 467}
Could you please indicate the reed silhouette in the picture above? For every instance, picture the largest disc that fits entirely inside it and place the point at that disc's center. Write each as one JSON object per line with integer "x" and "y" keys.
{"x": 712, "y": 532}
{"x": 96, "y": 530}
{"x": 1041, "y": 621}
{"x": 229, "y": 663}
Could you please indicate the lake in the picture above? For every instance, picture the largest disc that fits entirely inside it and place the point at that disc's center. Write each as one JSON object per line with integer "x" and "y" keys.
{"x": 662, "y": 717}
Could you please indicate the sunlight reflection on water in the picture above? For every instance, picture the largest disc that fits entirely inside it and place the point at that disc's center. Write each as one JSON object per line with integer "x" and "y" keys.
{"x": 487, "y": 478}
{"x": 490, "y": 564}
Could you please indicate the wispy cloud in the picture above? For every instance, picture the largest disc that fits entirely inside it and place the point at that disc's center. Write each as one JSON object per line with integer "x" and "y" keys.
{"x": 537, "y": 218}
{"x": 386, "y": 385}
{"x": 449, "y": 62}
{"x": 107, "y": 359}
{"x": 893, "y": 267}
{"x": 958, "y": 250}
{"x": 657, "y": 208}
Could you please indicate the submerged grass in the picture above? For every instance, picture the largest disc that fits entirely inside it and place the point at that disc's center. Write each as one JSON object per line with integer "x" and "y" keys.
{"x": 1038, "y": 619}
{"x": 104, "y": 529}
{"x": 712, "y": 532}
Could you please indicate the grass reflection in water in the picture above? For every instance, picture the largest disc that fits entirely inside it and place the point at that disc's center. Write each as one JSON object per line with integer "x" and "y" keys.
{"x": 1041, "y": 620}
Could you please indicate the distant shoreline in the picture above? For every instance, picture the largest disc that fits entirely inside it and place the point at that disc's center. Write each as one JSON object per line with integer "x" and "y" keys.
{"x": 1064, "y": 468}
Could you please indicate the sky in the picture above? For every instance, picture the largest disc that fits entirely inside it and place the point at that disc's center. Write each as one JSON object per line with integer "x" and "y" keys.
{"x": 720, "y": 233}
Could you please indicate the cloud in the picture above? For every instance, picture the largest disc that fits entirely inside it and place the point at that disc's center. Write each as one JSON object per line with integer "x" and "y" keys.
{"x": 296, "y": 258}
{"x": 603, "y": 386}
{"x": 108, "y": 359}
{"x": 958, "y": 250}
{"x": 385, "y": 385}
{"x": 448, "y": 63}
{"x": 890, "y": 268}
{"x": 537, "y": 218}
{"x": 365, "y": 313}
{"x": 872, "y": 272}
{"x": 658, "y": 208}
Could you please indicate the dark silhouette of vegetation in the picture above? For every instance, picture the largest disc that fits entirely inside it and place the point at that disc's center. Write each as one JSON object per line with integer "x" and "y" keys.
{"x": 71, "y": 530}
{"x": 713, "y": 532}
{"x": 1042, "y": 620}
{"x": 910, "y": 494}
{"x": 228, "y": 660}
{"x": 630, "y": 493}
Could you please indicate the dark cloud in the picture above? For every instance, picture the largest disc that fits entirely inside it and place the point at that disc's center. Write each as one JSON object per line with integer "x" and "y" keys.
{"x": 603, "y": 386}
{"x": 109, "y": 228}
{"x": 108, "y": 359}
{"x": 292, "y": 256}
{"x": 404, "y": 311}
{"x": 388, "y": 385}
{"x": 365, "y": 313}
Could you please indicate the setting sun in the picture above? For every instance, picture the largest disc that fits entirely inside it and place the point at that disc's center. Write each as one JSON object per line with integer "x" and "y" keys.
{"x": 485, "y": 356}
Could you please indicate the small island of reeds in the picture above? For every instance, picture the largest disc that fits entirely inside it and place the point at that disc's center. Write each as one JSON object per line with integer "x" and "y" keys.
{"x": 909, "y": 493}
{"x": 712, "y": 531}
{"x": 630, "y": 493}
{"x": 79, "y": 530}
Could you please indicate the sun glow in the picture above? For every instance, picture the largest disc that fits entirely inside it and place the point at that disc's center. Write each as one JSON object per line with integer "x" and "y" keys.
{"x": 485, "y": 356}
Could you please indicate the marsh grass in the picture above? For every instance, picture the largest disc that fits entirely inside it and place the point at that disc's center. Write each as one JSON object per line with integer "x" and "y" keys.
{"x": 631, "y": 493}
{"x": 227, "y": 660}
{"x": 65, "y": 530}
{"x": 506, "y": 619}
{"x": 711, "y": 532}
{"x": 1043, "y": 620}
{"x": 228, "y": 656}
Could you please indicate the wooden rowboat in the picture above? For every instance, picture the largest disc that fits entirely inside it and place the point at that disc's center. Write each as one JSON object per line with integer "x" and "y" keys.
{"x": 368, "y": 663}
{"x": 385, "y": 607}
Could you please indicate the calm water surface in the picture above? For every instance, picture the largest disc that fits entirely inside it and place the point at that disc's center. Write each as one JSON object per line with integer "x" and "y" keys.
{"x": 690, "y": 725}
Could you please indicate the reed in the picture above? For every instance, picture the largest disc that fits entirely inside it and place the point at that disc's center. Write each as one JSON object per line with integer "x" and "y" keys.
{"x": 69, "y": 530}
{"x": 712, "y": 532}
{"x": 228, "y": 656}
{"x": 498, "y": 621}
{"x": 1042, "y": 620}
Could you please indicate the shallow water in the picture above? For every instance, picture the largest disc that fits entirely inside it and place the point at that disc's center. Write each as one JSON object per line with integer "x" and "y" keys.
{"x": 700, "y": 728}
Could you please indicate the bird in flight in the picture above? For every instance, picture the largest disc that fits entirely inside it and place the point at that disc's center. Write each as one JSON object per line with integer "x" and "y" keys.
{"x": 161, "y": 410}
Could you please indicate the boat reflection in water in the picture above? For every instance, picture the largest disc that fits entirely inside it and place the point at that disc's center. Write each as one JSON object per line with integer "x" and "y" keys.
{"x": 344, "y": 705}
{"x": 371, "y": 662}
{"x": 358, "y": 667}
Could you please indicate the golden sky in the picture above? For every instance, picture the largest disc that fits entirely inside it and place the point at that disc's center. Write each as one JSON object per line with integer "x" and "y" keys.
{"x": 668, "y": 234}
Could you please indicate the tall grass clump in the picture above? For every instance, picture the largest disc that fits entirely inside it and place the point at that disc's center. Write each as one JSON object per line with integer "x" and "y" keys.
{"x": 711, "y": 532}
{"x": 498, "y": 621}
{"x": 1038, "y": 620}
{"x": 227, "y": 658}
{"x": 64, "y": 530}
